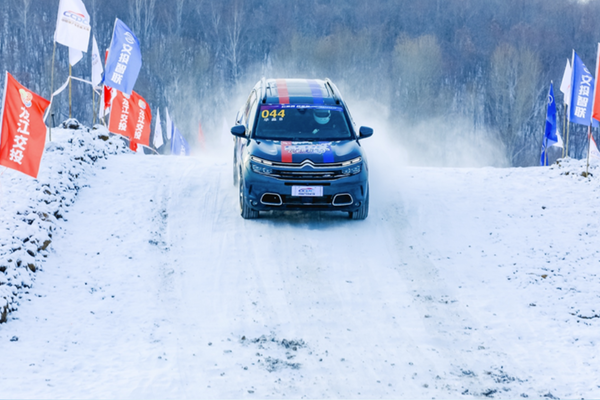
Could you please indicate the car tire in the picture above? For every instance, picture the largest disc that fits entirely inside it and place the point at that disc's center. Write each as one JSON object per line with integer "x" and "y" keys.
{"x": 363, "y": 210}
{"x": 245, "y": 210}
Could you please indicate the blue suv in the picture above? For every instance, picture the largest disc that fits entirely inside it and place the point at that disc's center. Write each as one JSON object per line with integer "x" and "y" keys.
{"x": 297, "y": 148}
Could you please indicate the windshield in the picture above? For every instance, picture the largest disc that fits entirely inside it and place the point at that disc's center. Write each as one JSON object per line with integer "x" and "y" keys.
{"x": 302, "y": 122}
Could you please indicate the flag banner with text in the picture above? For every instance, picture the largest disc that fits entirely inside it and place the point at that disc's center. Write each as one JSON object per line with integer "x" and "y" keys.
{"x": 179, "y": 145}
{"x": 97, "y": 69}
{"x": 124, "y": 59}
{"x": 130, "y": 116}
{"x": 551, "y": 135}
{"x": 73, "y": 25}
{"x": 23, "y": 132}
{"x": 582, "y": 88}
{"x": 596, "y": 97}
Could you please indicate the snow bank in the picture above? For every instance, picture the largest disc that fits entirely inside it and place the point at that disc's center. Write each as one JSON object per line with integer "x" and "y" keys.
{"x": 31, "y": 207}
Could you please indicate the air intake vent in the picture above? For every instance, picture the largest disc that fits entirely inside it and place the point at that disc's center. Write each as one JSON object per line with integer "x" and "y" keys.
{"x": 342, "y": 200}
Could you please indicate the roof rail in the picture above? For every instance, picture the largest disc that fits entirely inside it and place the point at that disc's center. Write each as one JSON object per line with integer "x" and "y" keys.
{"x": 336, "y": 94}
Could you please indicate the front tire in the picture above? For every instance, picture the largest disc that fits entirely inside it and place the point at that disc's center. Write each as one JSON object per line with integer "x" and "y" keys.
{"x": 363, "y": 210}
{"x": 245, "y": 210}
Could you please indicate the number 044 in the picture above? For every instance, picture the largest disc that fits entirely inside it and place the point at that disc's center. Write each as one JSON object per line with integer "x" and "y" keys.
{"x": 272, "y": 113}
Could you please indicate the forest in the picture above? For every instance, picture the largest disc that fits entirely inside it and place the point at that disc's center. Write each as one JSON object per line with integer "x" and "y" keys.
{"x": 456, "y": 82}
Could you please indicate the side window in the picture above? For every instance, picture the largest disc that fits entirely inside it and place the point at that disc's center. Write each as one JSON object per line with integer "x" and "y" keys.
{"x": 252, "y": 116}
{"x": 249, "y": 104}
{"x": 242, "y": 115}
{"x": 251, "y": 113}
{"x": 354, "y": 128}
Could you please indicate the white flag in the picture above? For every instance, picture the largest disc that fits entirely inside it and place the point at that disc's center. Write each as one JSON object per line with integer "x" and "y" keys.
{"x": 169, "y": 126}
{"x": 73, "y": 25}
{"x": 158, "y": 135}
{"x": 96, "y": 64}
{"x": 565, "y": 85}
{"x": 74, "y": 56}
{"x": 560, "y": 142}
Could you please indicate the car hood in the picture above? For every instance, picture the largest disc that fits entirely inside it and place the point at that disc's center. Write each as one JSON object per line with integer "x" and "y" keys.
{"x": 297, "y": 152}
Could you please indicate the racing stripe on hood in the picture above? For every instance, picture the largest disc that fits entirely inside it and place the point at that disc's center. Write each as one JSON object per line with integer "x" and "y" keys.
{"x": 328, "y": 155}
{"x": 282, "y": 91}
{"x": 316, "y": 92}
{"x": 286, "y": 155}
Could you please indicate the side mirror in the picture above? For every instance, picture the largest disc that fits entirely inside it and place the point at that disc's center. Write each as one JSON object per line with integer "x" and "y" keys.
{"x": 365, "y": 132}
{"x": 239, "y": 131}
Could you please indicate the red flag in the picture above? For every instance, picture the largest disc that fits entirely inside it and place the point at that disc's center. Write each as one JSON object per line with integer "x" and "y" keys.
{"x": 596, "y": 99}
{"x": 107, "y": 98}
{"x": 130, "y": 116}
{"x": 23, "y": 132}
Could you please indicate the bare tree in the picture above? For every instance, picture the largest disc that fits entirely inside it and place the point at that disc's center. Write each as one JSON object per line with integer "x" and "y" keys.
{"x": 515, "y": 85}
{"x": 23, "y": 11}
{"x": 142, "y": 16}
{"x": 417, "y": 67}
{"x": 235, "y": 33}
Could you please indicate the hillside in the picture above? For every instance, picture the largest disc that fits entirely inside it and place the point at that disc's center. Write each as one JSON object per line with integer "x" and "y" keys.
{"x": 461, "y": 282}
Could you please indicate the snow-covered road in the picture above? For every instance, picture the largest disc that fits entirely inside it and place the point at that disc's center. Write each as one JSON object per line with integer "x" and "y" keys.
{"x": 461, "y": 282}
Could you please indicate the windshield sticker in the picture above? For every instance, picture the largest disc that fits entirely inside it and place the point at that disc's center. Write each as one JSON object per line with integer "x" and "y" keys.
{"x": 300, "y": 106}
{"x": 288, "y": 149}
{"x": 272, "y": 115}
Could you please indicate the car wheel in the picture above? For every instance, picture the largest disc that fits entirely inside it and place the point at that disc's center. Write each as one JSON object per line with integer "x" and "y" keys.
{"x": 363, "y": 210}
{"x": 245, "y": 211}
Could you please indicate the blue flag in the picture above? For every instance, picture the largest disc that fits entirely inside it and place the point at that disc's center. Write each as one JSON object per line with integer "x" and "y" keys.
{"x": 179, "y": 146}
{"x": 124, "y": 59}
{"x": 582, "y": 93}
{"x": 550, "y": 135}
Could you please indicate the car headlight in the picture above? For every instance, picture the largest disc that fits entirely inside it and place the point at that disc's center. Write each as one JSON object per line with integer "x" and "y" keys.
{"x": 261, "y": 170}
{"x": 261, "y": 166}
{"x": 355, "y": 169}
{"x": 352, "y": 167}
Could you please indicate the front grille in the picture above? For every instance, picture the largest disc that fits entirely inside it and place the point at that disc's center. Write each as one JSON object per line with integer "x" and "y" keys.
{"x": 307, "y": 171}
{"x": 307, "y": 162}
{"x": 306, "y": 201}
{"x": 307, "y": 175}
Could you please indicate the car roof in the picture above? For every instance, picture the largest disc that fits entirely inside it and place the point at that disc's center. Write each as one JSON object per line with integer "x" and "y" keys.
{"x": 299, "y": 91}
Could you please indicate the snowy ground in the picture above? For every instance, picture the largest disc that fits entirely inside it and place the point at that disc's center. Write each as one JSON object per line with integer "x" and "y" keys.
{"x": 461, "y": 283}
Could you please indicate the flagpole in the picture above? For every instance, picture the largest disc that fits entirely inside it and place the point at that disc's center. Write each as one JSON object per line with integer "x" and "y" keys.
{"x": 93, "y": 106}
{"x": 566, "y": 107}
{"x": 52, "y": 86}
{"x": 587, "y": 168}
{"x": 571, "y": 94}
{"x": 567, "y": 139}
{"x": 101, "y": 108}
{"x": 545, "y": 122}
{"x": 70, "y": 89}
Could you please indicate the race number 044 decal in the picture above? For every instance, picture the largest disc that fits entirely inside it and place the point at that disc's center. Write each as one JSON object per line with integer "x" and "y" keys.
{"x": 272, "y": 113}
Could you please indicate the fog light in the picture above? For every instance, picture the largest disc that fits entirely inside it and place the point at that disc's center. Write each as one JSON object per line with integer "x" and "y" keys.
{"x": 254, "y": 202}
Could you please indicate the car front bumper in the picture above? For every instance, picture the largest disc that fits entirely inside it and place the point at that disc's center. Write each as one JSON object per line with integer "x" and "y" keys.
{"x": 266, "y": 193}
